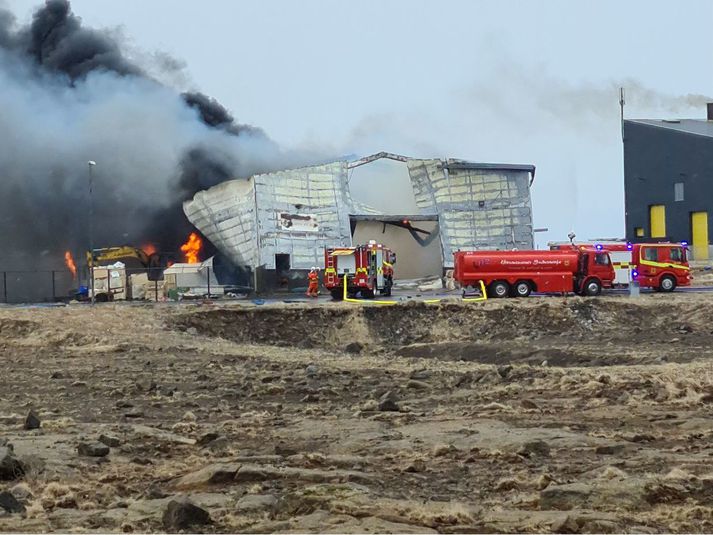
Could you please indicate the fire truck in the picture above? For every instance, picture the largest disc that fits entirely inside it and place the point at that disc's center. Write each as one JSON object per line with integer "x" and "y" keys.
{"x": 368, "y": 269}
{"x": 518, "y": 273}
{"x": 661, "y": 266}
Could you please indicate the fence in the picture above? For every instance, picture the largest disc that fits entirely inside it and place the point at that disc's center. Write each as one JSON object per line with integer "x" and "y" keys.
{"x": 34, "y": 286}
{"x": 119, "y": 284}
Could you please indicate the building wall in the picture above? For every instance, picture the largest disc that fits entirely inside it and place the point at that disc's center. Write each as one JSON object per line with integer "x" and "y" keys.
{"x": 225, "y": 214}
{"x": 320, "y": 192}
{"x": 655, "y": 159}
{"x": 477, "y": 208}
{"x": 413, "y": 261}
{"x": 244, "y": 218}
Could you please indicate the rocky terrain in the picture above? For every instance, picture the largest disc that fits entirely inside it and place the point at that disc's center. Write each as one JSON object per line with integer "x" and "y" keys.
{"x": 536, "y": 415}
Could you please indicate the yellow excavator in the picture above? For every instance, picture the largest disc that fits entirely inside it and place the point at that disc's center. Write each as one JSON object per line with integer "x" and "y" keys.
{"x": 152, "y": 263}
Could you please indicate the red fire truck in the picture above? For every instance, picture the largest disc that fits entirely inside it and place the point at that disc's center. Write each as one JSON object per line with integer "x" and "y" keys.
{"x": 517, "y": 273}
{"x": 661, "y": 266}
{"x": 368, "y": 268}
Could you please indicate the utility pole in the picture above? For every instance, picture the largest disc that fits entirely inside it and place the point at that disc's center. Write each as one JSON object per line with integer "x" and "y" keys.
{"x": 621, "y": 106}
{"x": 91, "y": 165}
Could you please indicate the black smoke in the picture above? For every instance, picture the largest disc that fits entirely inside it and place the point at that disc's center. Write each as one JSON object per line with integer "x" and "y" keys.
{"x": 69, "y": 95}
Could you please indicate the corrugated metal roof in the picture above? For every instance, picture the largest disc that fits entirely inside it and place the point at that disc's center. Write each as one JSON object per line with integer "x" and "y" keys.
{"x": 699, "y": 127}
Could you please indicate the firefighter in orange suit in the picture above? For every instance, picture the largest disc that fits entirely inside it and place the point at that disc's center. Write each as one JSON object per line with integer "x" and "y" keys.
{"x": 313, "y": 288}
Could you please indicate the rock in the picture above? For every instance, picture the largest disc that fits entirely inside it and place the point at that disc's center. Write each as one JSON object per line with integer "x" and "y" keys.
{"x": 92, "y": 449}
{"x": 146, "y": 385}
{"x": 188, "y": 416}
{"x": 564, "y": 497}
{"x": 416, "y": 466}
{"x": 207, "y": 438}
{"x": 22, "y": 492}
{"x": 192, "y": 331}
{"x": 370, "y": 405}
{"x": 213, "y": 474}
{"x": 542, "y": 481}
{"x": 534, "y": 448}
{"x": 56, "y": 375}
{"x": 528, "y": 404}
{"x": 420, "y": 375}
{"x": 9, "y": 503}
{"x": 111, "y": 441}
{"x": 610, "y": 449}
{"x": 136, "y": 413}
{"x": 311, "y": 370}
{"x": 182, "y": 514}
{"x": 354, "y": 347}
{"x": 219, "y": 444}
{"x": 310, "y": 398}
{"x": 253, "y": 472}
{"x": 256, "y": 502}
{"x": 418, "y": 385}
{"x": 32, "y": 421}
{"x": 439, "y": 450}
{"x": 566, "y": 524}
{"x": 602, "y": 526}
{"x": 463, "y": 380}
{"x": 10, "y": 466}
{"x": 506, "y": 484}
{"x": 504, "y": 371}
{"x": 154, "y": 492}
{"x": 388, "y": 402}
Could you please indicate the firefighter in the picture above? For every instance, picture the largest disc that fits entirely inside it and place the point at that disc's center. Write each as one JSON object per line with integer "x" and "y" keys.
{"x": 388, "y": 271}
{"x": 313, "y": 288}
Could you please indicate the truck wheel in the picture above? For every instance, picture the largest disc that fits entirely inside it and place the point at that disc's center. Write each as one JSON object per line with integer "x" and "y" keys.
{"x": 667, "y": 284}
{"x": 499, "y": 289}
{"x": 337, "y": 293}
{"x": 592, "y": 288}
{"x": 522, "y": 289}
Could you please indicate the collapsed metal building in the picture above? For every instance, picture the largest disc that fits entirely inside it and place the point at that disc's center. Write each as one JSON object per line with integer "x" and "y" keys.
{"x": 281, "y": 222}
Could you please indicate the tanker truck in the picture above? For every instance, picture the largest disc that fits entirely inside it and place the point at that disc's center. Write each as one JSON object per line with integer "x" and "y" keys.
{"x": 518, "y": 273}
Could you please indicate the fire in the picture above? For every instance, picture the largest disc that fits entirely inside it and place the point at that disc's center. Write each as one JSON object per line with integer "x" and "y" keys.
{"x": 148, "y": 248}
{"x": 69, "y": 261}
{"x": 192, "y": 248}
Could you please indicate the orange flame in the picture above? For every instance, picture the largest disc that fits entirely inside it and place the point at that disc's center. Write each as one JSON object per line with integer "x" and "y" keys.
{"x": 148, "y": 248}
{"x": 192, "y": 248}
{"x": 69, "y": 262}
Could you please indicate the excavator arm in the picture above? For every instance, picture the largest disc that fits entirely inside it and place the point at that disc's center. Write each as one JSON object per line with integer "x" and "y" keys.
{"x": 109, "y": 254}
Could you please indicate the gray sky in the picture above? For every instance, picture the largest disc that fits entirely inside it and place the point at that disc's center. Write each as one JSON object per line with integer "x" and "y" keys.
{"x": 501, "y": 81}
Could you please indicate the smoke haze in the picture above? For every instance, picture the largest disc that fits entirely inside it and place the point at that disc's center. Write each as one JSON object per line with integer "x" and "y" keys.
{"x": 69, "y": 96}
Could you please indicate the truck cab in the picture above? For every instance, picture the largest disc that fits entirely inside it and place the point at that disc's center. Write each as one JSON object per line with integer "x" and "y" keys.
{"x": 662, "y": 266}
{"x": 595, "y": 271}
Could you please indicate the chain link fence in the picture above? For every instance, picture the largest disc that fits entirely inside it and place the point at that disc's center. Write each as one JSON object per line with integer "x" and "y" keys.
{"x": 113, "y": 283}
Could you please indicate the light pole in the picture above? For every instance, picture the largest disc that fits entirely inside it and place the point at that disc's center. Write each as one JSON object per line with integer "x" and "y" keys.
{"x": 91, "y": 165}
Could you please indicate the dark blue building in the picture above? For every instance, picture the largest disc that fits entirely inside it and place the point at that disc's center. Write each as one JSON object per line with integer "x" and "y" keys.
{"x": 668, "y": 181}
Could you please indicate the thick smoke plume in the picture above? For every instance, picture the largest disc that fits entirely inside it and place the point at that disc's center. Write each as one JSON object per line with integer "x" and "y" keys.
{"x": 68, "y": 96}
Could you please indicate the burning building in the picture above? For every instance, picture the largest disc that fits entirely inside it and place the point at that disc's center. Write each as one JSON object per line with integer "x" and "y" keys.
{"x": 280, "y": 222}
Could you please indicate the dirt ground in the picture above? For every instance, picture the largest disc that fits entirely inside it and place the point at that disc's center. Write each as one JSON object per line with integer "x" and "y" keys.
{"x": 533, "y": 415}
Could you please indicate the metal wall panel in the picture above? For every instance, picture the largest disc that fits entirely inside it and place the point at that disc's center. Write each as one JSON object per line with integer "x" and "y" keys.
{"x": 477, "y": 208}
